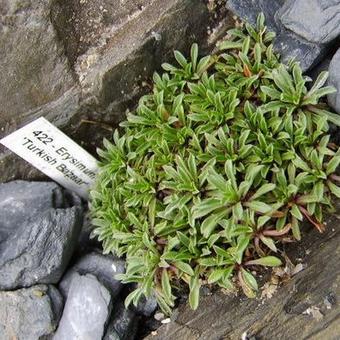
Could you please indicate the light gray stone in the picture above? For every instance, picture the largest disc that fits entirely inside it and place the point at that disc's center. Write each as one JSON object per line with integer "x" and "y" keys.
{"x": 40, "y": 249}
{"x": 314, "y": 20}
{"x": 86, "y": 311}
{"x": 29, "y": 314}
{"x": 103, "y": 267}
{"x": 334, "y": 80}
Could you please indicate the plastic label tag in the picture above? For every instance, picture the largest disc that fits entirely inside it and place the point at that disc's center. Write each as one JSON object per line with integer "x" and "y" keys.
{"x": 55, "y": 154}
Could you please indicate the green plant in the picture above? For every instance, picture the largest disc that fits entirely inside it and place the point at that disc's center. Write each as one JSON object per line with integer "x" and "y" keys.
{"x": 226, "y": 156}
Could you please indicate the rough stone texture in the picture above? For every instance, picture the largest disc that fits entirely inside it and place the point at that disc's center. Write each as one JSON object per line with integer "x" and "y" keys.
{"x": 29, "y": 314}
{"x": 288, "y": 44}
{"x": 86, "y": 311}
{"x": 123, "y": 325}
{"x": 284, "y": 316}
{"x": 315, "y": 20}
{"x": 111, "y": 48}
{"x": 21, "y": 200}
{"x": 104, "y": 267}
{"x": 33, "y": 69}
{"x": 334, "y": 80}
{"x": 146, "y": 306}
{"x": 40, "y": 249}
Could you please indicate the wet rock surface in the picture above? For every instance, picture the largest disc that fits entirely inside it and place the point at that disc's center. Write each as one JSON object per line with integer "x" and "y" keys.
{"x": 30, "y": 314}
{"x": 86, "y": 311}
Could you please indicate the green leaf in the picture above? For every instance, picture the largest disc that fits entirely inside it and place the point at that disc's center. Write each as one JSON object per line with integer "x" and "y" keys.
{"x": 194, "y": 286}
{"x": 210, "y": 223}
{"x": 184, "y": 267}
{"x": 267, "y": 261}
{"x": 180, "y": 59}
{"x": 269, "y": 243}
{"x": 166, "y": 287}
{"x": 296, "y": 212}
{"x": 248, "y": 283}
{"x": 194, "y": 55}
{"x": 335, "y": 190}
{"x": 133, "y": 297}
{"x": 259, "y": 207}
{"x": 205, "y": 207}
{"x": 216, "y": 275}
{"x": 227, "y": 45}
{"x": 333, "y": 164}
{"x": 263, "y": 190}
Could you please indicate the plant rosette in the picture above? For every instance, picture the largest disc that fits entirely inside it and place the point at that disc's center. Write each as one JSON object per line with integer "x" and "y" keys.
{"x": 227, "y": 155}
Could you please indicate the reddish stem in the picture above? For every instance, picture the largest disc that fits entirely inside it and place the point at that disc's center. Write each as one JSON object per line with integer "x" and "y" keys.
{"x": 318, "y": 225}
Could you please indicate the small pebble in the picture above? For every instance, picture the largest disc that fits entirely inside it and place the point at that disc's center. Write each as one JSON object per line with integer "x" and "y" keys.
{"x": 159, "y": 316}
{"x": 167, "y": 320}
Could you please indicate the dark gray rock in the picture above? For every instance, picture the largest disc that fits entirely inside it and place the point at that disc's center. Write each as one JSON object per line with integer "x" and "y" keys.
{"x": 123, "y": 325}
{"x": 40, "y": 249}
{"x": 146, "y": 306}
{"x": 30, "y": 314}
{"x": 104, "y": 267}
{"x": 287, "y": 43}
{"x": 334, "y": 80}
{"x": 322, "y": 66}
{"x": 20, "y": 200}
{"x": 314, "y": 20}
{"x": 86, "y": 311}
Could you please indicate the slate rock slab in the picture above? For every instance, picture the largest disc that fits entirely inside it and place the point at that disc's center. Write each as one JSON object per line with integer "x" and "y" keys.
{"x": 103, "y": 267}
{"x": 123, "y": 325}
{"x": 334, "y": 80}
{"x": 86, "y": 311}
{"x": 21, "y": 200}
{"x": 314, "y": 20}
{"x": 29, "y": 314}
{"x": 39, "y": 250}
{"x": 287, "y": 43}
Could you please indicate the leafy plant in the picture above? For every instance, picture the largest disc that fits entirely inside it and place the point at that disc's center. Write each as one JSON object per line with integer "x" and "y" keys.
{"x": 227, "y": 155}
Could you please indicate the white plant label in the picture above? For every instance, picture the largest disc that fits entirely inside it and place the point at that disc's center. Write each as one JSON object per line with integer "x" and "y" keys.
{"x": 56, "y": 155}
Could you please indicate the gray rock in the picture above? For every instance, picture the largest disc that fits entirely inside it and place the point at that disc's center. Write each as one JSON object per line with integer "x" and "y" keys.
{"x": 146, "y": 306}
{"x": 314, "y": 20}
{"x": 287, "y": 43}
{"x": 86, "y": 311}
{"x": 322, "y": 66}
{"x": 39, "y": 250}
{"x": 334, "y": 80}
{"x": 33, "y": 69}
{"x": 30, "y": 314}
{"x": 123, "y": 325}
{"x": 72, "y": 61}
{"x": 20, "y": 200}
{"x": 104, "y": 267}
